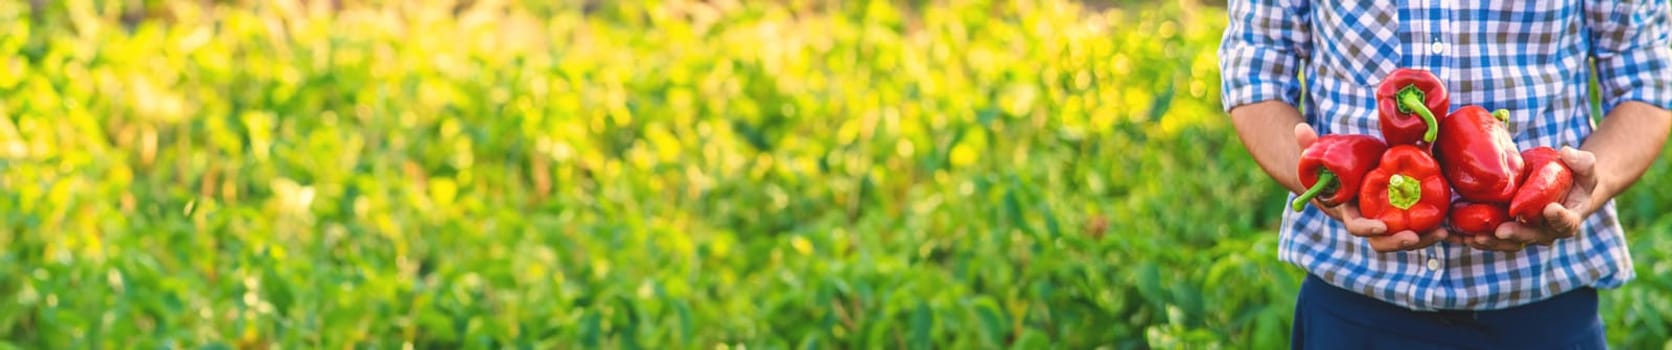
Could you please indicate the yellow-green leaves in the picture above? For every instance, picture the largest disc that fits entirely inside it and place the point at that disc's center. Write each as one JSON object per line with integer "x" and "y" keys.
{"x": 662, "y": 174}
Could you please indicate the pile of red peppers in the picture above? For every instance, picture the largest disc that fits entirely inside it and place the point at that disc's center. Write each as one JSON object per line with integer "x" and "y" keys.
{"x": 1426, "y": 154}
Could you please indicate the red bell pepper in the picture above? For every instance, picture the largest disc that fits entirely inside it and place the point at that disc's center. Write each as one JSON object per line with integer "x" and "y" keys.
{"x": 1406, "y": 191}
{"x": 1336, "y": 162}
{"x": 1477, "y": 218}
{"x": 1410, "y": 103}
{"x": 1477, "y": 155}
{"x": 1548, "y": 181}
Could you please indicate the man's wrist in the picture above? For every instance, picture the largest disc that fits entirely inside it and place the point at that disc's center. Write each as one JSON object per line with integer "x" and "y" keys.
{"x": 1600, "y": 195}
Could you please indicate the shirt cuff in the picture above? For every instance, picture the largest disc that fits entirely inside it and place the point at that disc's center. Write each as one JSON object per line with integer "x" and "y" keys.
{"x": 1253, "y": 92}
{"x": 1652, "y": 86}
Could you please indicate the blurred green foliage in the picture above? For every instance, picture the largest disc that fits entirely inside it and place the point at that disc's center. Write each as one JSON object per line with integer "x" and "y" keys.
{"x": 657, "y": 174}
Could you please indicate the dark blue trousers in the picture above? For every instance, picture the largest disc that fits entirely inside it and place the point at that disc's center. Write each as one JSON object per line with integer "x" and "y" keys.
{"x": 1328, "y": 317}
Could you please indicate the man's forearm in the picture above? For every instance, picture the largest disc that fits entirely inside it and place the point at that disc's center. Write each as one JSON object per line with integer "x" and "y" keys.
{"x": 1625, "y": 144}
{"x": 1267, "y": 129}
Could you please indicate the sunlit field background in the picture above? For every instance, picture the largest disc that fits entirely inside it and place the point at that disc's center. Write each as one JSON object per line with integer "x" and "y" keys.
{"x": 647, "y": 174}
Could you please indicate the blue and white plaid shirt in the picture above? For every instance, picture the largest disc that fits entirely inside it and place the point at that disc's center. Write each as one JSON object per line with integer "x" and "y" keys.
{"x": 1530, "y": 57}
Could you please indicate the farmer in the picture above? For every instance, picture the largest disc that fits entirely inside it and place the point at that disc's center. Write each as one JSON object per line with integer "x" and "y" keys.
{"x": 1524, "y": 287}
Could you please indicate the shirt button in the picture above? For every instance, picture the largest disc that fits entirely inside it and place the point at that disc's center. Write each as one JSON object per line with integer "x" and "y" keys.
{"x": 1437, "y": 47}
{"x": 1433, "y": 264}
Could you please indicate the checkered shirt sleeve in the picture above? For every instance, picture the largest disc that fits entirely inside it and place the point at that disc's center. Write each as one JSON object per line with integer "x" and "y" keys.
{"x": 1262, "y": 52}
{"x": 1629, "y": 42}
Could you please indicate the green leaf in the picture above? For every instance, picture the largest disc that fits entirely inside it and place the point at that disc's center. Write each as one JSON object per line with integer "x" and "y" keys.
{"x": 1032, "y": 339}
{"x": 1149, "y": 281}
{"x": 987, "y": 115}
{"x": 1013, "y": 210}
{"x": 993, "y": 323}
{"x": 1269, "y": 332}
{"x": 1163, "y": 101}
{"x": 629, "y": 328}
{"x": 1051, "y": 227}
{"x": 590, "y": 329}
{"x": 810, "y": 342}
{"x": 436, "y": 325}
{"x": 922, "y": 323}
{"x": 684, "y": 311}
{"x": 881, "y": 334}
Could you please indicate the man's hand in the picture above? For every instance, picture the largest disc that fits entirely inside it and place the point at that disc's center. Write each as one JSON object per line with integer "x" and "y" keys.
{"x": 1358, "y": 225}
{"x": 1561, "y": 220}
{"x": 1610, "y": 161}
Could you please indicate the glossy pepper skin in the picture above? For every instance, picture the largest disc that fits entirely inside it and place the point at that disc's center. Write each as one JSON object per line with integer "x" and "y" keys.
{"x": 1410, "y": 104}
{"x": 1406, "y": 191}
{"x": 1478, "y": 218}
{"x": 1333, "y": 167}
{"x": 1477, "y": 155}
{"x": 1548, "y": 181}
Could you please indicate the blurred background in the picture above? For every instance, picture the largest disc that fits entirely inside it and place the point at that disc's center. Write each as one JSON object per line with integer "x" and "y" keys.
{"x": 720, "y": 174}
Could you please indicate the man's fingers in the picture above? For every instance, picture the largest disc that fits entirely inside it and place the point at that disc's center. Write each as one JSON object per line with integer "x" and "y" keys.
{"x": 1583, "y": 163}
{"x": 1305, "y": 136}
{"x": 1561, "y": 221}
{"x": 1359, "y": 225}
{"x": 1492, "y": 242}
{"x": 1518, "y": 233}
{"x": 1365, "y": 227}
{"x": 1348, "y": 214}
{"x": 1435, "y": 236}
{"x": 1398, "y": 241}
{"x": 1576, "y": 199}
{"x": 1459, "y": 239}
{"x": 1407, "y": 240}
{"x": 1487, "y": 242}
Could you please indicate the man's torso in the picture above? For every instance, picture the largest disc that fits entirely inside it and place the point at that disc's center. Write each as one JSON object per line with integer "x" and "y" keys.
{"x": 1529, "y": 57}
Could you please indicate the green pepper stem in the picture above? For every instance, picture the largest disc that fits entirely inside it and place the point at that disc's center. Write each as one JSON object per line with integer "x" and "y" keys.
{"x": 1325, "y": 180}
{"x": 1411, "y": 101}
{"x": 1404, "y": 191}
